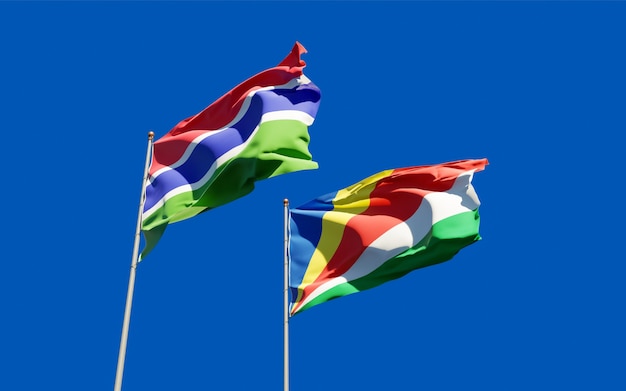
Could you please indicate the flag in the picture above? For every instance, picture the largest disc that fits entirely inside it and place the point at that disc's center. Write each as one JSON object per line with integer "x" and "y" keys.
{"x": 256, "y": 131}
{"x": 380, "y": 229}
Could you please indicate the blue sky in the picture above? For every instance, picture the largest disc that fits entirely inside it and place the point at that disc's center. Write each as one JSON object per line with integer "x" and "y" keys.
{"x": 535, "y": 87}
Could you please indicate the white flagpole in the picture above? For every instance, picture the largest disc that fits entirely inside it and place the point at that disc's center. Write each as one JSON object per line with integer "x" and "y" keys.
{"x": 133, "y": 269}
{"x": 286, "y": 300}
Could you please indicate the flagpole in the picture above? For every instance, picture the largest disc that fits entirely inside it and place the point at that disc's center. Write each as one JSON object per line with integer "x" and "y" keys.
{"x": 133, "y": 269}
{"x": 286, "y": 299}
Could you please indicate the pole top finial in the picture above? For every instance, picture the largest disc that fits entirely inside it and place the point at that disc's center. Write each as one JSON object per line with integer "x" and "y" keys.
{"x": 285, "y": 202}
{"x": 150, "y": 135}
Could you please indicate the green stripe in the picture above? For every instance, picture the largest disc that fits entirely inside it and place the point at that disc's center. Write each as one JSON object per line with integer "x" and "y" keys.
{"x": 279, "y": 147}
{"x": 445, "y": 239}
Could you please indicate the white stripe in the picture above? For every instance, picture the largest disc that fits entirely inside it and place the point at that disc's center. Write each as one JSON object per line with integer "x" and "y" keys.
{"x": 435, "y": 207}
{"x": 267, "y": 117}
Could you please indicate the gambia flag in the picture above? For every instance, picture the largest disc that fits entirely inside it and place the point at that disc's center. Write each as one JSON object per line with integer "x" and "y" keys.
{"x": 257, "y": 130}
{"x": 380, "y": 229}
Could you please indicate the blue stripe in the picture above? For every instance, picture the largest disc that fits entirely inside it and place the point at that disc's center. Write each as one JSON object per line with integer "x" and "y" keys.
{"x": 304, "y": 98}
{"x": 305, "y": 224}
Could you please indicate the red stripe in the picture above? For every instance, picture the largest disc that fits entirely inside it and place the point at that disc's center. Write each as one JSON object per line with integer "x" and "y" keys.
{"x": 169, "y": 148}
{"x": 394, "y": 199}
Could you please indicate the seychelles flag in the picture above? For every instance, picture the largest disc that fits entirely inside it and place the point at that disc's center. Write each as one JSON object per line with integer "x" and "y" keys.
{"x": 380, "y": 229}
